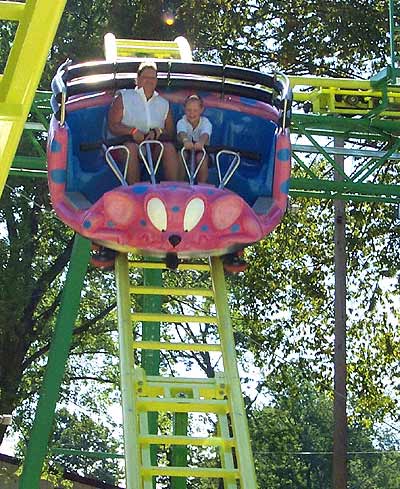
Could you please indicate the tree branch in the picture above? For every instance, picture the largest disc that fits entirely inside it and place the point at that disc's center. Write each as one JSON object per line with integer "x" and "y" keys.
{"x": 77, "y": 332}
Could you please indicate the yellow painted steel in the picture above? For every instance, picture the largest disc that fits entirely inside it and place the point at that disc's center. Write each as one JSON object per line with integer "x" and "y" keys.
{"x": 173, "y": 318}
{"x": 146, "y": 290}
{"x": 128, "y": 392}
{"x": 220, "y": 397}
{"x": 184, "y": 405}
{"x": 325, "y": 82}
{"x": 37, "y": 24}
{"x": 347, "y": 96}
{"x": 11, "y": 11}
{"x": 209, "y": 473}
{"x": 178, "y": 49}
{"x": 162, "y": 345}
{"x": 238, "y": 418}
{"x": 150, "y": 49}
{"x": 212, "y": 441}
{"x": 201, "y": 267}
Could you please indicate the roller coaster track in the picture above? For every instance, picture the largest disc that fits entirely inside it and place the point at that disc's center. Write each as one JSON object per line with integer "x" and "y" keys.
{"x": 365, "y": 114}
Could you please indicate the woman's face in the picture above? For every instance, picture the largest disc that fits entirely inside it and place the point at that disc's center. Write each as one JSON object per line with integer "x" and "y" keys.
{"x": 148, "y": 80}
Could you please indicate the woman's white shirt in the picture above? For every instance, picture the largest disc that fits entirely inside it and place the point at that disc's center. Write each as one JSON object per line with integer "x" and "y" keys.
{"x": 142, "y": 113}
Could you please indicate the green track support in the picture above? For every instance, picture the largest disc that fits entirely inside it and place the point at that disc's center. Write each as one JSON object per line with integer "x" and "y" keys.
{"x": 180, "y": 453}
{"x": 58, "y": 355}
{"x": 151, "y": 358}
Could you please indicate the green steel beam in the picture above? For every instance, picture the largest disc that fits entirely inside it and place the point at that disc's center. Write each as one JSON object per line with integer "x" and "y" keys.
{"x": 179, "y": 455}
{"x": 151, "y": 358}
{"x": 348, "y": 127}
{"x": 57, "y": 359}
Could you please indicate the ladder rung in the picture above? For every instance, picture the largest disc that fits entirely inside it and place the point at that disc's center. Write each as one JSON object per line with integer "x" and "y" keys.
{"x": 154, "y": 49}
{"x": 183, "y": 380}
{"x": 162, "y": 345}
{"x": 212, "y": 441}
{"x": 172, "y": 318}
{"x": 182, "y": 405}
{"x": 148, "y": 290}
{"x": 141, "y": 43}
{"x": 162, "y": 266}
{"x": 201, "y": 472}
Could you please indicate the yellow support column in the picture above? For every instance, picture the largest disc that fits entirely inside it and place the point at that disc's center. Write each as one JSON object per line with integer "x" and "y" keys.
{"x": 37, "y": 24}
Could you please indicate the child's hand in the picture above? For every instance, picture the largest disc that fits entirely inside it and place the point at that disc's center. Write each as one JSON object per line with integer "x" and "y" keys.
{"x": 198, "y": 146}
{"x": 151, "y": 135}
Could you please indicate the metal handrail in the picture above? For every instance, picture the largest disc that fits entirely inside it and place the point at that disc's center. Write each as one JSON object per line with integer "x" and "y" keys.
{"x": 223, "y": 180}
{"x": 113, "y": 164}
{"x": 192, "y": 171}
{"x": 148, "y": 158}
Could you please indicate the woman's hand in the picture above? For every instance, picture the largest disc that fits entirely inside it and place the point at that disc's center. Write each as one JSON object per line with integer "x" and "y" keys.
{"x": 188, "y": 145}
{"x": 138, "y": 137}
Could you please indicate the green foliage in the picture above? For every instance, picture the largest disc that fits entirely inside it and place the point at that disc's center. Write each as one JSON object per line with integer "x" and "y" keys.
{"x": 292, "y": 440}
{"x": 80, "y": 432}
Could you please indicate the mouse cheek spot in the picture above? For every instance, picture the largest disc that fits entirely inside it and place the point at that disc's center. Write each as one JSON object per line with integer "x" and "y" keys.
{"x": 119, "y": 209}
{"x": 226, "y": 211}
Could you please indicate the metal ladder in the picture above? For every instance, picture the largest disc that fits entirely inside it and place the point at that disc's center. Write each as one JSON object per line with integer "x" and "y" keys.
{"x": 143, "y": 394}
{"x": 22, "y": 72}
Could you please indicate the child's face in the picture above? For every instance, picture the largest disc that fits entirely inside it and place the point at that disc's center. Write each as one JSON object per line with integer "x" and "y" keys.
{"x": 193, "y": 110}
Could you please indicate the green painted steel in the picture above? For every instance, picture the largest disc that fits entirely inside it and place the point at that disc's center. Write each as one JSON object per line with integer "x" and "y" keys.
{"x": 179, "y": 455}
{"x": 151, "y": 358}
{"x": 126, "y": 365}
{"x": 58, "y": 355}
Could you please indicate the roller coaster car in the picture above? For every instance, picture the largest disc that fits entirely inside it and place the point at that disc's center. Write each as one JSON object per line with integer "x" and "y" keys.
{"x": 246, "y": 194}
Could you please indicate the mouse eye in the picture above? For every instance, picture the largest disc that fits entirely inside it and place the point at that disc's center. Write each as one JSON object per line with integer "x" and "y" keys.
{"x": 193, "y": 213}
{"x": 157, "y": 213}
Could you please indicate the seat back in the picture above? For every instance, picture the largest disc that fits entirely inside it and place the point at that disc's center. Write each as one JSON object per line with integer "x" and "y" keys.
{"x": 89, "y": 174}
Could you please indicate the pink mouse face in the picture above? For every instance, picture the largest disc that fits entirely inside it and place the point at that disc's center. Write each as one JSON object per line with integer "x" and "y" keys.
{"x": 172, "y": 217}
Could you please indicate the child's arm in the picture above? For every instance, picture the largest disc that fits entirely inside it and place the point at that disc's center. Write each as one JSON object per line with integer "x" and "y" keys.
{"x": 182, "y": 135}
{"x": 205, "y": 135}
{"x": 203, "y": 140}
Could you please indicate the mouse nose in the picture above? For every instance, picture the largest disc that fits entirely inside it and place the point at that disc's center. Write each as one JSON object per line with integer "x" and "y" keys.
{"x": 174, "y": 239}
